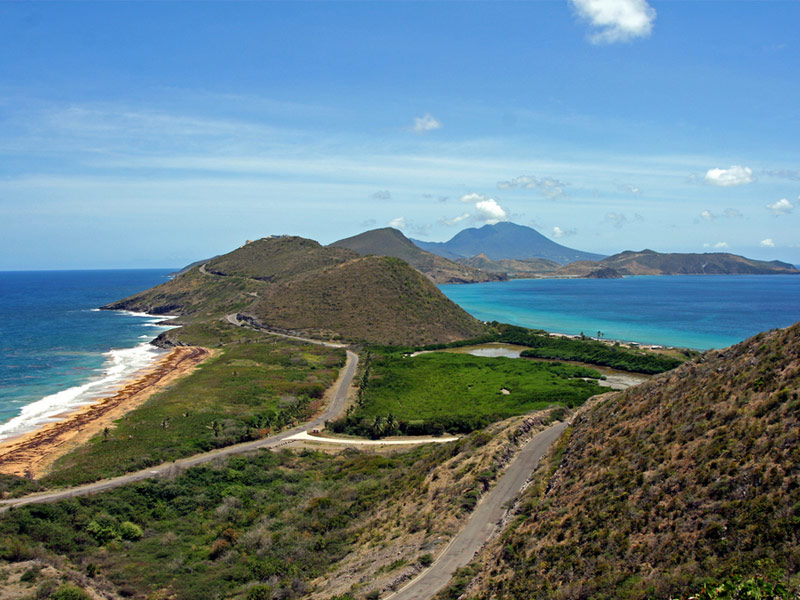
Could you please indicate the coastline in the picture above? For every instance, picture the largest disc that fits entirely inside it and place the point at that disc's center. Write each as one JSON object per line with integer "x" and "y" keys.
{"x": 33, "y": 453}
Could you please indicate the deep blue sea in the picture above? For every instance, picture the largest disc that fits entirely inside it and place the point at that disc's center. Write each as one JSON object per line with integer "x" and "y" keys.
{"x": 57, "y": 351}
{"x": 681, "y": 310}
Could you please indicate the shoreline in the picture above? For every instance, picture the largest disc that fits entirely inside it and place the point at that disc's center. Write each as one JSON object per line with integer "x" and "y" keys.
{"x": 31, "y": 454}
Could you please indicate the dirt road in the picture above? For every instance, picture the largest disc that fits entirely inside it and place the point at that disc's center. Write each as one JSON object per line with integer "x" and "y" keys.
{"x": 334, "y": 409}
{"x": 483, "y": 522}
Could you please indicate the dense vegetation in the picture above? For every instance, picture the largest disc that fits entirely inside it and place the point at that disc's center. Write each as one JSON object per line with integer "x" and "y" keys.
{"x": 666, "y": 487}
{"x": 457, "y": 393}
{"x": 258, "y": 384}
{"x": 266, "y": 525}
{"x": 552, "y": 347}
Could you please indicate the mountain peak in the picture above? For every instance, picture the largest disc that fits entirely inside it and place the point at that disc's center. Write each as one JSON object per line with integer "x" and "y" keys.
{"x": 505, "y": 240}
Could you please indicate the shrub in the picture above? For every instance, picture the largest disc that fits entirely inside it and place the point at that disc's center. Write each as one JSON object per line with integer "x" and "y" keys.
{"x": 130, "y": 531}
{"x": 70, "y": 592}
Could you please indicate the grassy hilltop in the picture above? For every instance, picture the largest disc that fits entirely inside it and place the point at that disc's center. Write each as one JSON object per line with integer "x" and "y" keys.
{"x": 292, "y": 283}
{"x": 686, "y": 479}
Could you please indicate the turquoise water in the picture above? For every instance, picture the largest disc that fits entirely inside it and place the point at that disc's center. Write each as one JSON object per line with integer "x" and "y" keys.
{"x": 57, "y": 351}
{"x": 681, "y": 310}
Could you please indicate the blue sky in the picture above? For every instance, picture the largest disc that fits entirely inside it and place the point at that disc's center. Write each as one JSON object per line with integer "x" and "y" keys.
{"x": 154, "y": 133}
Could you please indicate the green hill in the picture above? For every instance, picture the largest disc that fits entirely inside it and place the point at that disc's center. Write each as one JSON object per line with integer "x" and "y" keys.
{"x": 391, "y": 242}
{"x": 648, "y": 262}
{"x": 689, "y": 478}
{"x": 292, "y": 283}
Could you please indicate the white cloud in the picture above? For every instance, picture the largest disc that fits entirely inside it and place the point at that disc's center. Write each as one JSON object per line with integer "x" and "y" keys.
{"x": 728, "y": 213}
{"x": 616, "y": 20}
{"x": 487, "y": 210}
{"x": 426, "y": 123}
{"x": 718, "y": 245}
{"x": 472, "y": 198}
{"x": 398, "y": 223}
{"x": 735, "y": 175}
{"x": 454, "y": 220}
{"x": 767, "y": 243}
{"x": 490, "y": 211}
{"x": 781, "y": 207}
{"x": 382, "y": 195}
{"x": 560, "y": 233}
{"x": 547, "y": 186}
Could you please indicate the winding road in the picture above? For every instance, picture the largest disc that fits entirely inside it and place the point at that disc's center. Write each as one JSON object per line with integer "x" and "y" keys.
{"x": 334, "y": 408}
{"x": 483, "y": 522}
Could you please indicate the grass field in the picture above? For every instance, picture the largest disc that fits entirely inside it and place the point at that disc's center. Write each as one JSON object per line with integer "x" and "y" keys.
{"x": 256, "y": 385}
{"x": 440, "y": 391}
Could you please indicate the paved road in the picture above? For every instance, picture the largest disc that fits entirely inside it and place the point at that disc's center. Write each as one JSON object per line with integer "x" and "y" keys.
{"x": 483, "y": 522}
{"x": 334, "y": 409}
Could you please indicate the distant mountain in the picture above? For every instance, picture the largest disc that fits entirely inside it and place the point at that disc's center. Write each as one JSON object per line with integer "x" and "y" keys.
{"x": 292, "y": 283}
{"x": 656, "y": 491}
{"x": 531, "y": 267}
{"x": 391, "y": 242}
{"x": 648, "y": 262}
{"x": 505, "y": 240}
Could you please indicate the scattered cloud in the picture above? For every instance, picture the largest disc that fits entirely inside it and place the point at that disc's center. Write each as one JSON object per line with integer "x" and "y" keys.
{"x": 718, "y": 245}
{"x": 382, "y": 195}
{"x": 454, "y": 220}
{"x": 619, "y": 219}
{"x": 616, "y": 20}
{"x": 767, "y": 243}
{"x": 560, "y": 233}
{"x": 793, "y": 174}
{"x": 728, "y": 213}
{"x": 419, "y": 230}
{"x": 426, "y": 123}
{"x": 546, "y": 186}
{"x": 398, "y": 223}
{"x": 443, "y": 198}
{"x": 369, "y": 223}
{"x": 781, "y": 207}
{"x": 630, "y": 189}
{"x": 735, "y": 175}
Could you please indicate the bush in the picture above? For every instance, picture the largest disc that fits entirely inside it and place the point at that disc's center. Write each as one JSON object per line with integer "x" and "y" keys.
{"x": 130, "y": 531}
{"x": 70, "y": 592}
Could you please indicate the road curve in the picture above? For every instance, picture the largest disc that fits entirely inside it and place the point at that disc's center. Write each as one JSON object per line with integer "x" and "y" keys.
{"x": 483, "y": 522}
{"x": 334, "y": 409}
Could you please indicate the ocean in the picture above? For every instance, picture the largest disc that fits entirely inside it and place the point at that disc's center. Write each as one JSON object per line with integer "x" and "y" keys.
{"x": 701, "y": 312}
{"x": 57, "y": 351}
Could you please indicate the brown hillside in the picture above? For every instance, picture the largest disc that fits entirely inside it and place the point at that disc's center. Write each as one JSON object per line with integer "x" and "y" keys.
{"x": 519, "y": 268}
{"x": 376, "y": 299}
{"x": 391, "y": 242}
{"x": 693, "y": 476}
{"x": 296, "y": 284}
{"x": 278, "y": 258}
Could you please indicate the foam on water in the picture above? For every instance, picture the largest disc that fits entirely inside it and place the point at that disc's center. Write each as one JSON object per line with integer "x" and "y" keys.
{"x": 120, "y": 365}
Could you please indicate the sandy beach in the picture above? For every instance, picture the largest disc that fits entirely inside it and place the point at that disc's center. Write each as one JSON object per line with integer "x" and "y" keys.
{"x": 31, "y": 454}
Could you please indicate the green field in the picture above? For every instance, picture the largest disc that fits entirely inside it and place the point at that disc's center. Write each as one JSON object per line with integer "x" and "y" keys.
{"x": 256, "y": 385}
{"x": 458, "y": 393}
